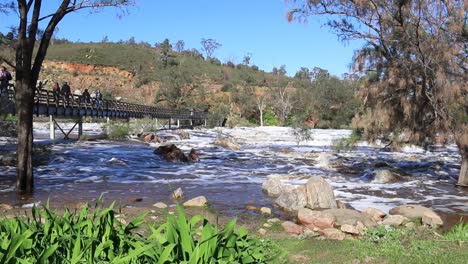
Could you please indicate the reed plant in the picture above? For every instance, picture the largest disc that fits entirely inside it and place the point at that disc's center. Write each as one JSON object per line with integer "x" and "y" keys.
{"x": 96, "y": 236}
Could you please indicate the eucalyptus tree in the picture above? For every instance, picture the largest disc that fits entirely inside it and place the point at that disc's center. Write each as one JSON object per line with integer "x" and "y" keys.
{"x": 30, "y": 53}
{"x": 415, "y": 60}
{"x": 209, "y": 46}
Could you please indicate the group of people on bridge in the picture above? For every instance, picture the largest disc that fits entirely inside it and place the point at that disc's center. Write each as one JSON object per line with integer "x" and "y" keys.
{"x": 95, "y": 97}
{"x": 64, "y": 92}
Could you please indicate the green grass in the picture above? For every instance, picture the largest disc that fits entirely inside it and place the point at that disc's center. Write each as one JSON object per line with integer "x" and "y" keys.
{"x": 379, "y": 245}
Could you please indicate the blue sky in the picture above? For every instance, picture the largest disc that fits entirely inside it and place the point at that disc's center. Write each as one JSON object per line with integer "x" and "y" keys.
{"x": 256, "y": 27}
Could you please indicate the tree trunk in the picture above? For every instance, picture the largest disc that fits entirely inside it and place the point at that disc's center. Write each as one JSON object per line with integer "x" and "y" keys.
{"x": 463, "y": 176}
{"x": 24, "y": 109}
{"x": 261, "y": 117}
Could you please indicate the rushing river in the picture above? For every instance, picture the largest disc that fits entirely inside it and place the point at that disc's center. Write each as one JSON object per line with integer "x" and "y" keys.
{"x": 81, "y": 171}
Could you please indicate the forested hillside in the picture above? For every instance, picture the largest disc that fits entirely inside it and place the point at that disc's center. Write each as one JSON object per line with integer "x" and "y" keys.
{"x": 170, "y": 76}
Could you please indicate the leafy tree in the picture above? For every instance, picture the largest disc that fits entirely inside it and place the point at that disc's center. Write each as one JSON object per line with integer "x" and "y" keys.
{"x": 415, "y": 56}
{"x": 178, "y": 88}
{"x": 165, "y": 48}
{"x": 30, "y": 53}
{"x": 303, "y": 74}
{"x": 180, "y": 46}
{"x": 209, "y": 46}
{"x": 246, "y": 60}
{"x": 131, "y": 41}
{"x": 105, "y": 39}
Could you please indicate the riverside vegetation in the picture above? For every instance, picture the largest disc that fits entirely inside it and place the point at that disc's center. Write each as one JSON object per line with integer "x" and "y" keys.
{"x": 100, "y": 235}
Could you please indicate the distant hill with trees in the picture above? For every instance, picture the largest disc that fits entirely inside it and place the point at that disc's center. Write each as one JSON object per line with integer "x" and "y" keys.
{"x": 169, "y": 75}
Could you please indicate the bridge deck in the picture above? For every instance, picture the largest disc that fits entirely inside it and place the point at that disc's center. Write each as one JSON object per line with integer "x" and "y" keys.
{"x": 46, "y": 103}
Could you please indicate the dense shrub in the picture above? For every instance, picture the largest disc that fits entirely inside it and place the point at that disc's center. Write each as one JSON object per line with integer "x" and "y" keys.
{"x": 99, "y": 237}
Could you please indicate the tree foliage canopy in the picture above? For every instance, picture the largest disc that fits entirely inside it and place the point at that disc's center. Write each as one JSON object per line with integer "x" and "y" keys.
{"x": 414, "y": 60}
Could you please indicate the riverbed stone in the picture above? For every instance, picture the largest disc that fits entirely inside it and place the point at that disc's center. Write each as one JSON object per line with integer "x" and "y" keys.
{"x": 135, "y": 199}
{"x": 197, "y": 202}
{"x": 273, "y": 220}
{"x": 315, "y": 220}
{"x": 376, "y": 214}
{"x": 350, "y": 229}
{"x": 160, "y": 205}
{"x": 292, "y": 200}
{"x": 178, "y": 193}
{"x": 385, "y": 176}
{"x": 350, "y": 217}
{"x": 6, "y": 207}
{"x": 292, "y": 228}
{"x": 319, "y": 193}
{"x": 227, "y": 143}
{"x": 274, "y": 186}
{"x": 251, "y": 208}
{"x": 262, "y": 231}
{"x": 333, "y": 233}
{"x": 427, "y": 216}
{"x": 265, "y": 210}
{"x": 394, "y": 220}
{"x": 149, "y": 137}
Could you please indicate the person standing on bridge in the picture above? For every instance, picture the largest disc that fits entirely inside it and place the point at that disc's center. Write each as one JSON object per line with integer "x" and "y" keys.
{"x": 66, "y": 91}
{"x": 5, "y": 78}
{"x": 56, "y": 91}
{"x": 98, "y": 98}
{"x": 86, "y": 96}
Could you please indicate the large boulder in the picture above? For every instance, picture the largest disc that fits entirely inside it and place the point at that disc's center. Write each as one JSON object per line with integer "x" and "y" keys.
{"x": 319, "y": 193}
{"x": 315, "y": 220}
{"x": 427, "y": 216}
{"x": 274, "y": 186}
{"x": 293, "y": 199}
{"x": 333, "y": 233}
{"x": 350, "y": 217}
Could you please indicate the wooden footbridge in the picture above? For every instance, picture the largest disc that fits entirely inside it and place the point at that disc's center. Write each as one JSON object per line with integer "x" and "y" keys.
{"x": 46, "y": 103}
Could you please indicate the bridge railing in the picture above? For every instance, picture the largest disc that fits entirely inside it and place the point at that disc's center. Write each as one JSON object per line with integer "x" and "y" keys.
{"x": 52, "y": 99}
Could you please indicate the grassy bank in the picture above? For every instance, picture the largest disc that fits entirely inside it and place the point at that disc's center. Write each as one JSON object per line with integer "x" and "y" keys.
{"x": 419, "y": 245}
{"x": 104, "y": 235}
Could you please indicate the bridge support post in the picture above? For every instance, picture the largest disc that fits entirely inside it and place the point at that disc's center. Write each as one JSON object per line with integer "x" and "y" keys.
{"x": 52, "y": 127}
{"x": 80, "y": 127}
{"x": 170, "y": 122}
{"x": 191, "y": 122}
{"x": 205, "y": 123}
{"x": 178, "y": 123}
{"x": 156, "y": 123}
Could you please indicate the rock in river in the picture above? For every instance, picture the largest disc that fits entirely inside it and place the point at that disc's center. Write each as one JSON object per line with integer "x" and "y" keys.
{"x": 172, "y": 153}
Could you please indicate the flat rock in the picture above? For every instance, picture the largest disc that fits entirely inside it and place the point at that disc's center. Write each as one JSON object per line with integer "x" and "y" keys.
{"x": 292, "y": 228}
{"x": 427, "y": 216}
{"x": 394, "y": 220}
{"x": 333, "y": 233}
{"x": 350, "y": 229}
{"x": 376, "y": 214}
{"x": 197, "y": 202}
{"x": 6, "y": 207}
{"x": 160, "y": 205}
{"x": 350, "y": 217}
